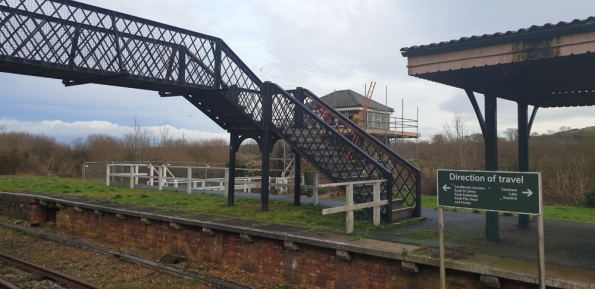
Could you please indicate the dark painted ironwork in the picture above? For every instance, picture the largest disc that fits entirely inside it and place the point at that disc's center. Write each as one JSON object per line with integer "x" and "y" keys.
{"x": 533, "y": 114}
{"x": 406, "y": 177}
{"x": 231, "y": 177}
{"x": 323, "y": 146}
{"x": 80, "y": 43}
{"x": 473, "y": 100}
{"x": 491, "y": 160}
{"x": 297, "y": 188}
{"x": 523, "y": 142}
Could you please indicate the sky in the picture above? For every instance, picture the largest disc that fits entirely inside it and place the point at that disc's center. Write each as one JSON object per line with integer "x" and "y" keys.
{"x": 320, "y": 45}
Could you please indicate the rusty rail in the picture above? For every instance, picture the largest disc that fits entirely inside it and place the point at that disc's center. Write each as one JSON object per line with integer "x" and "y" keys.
{"x": 63, "y": 279}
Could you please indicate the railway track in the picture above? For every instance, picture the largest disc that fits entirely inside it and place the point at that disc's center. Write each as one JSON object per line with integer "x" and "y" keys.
{"x": 214, "y": 282}
{"x": 37, "y": 270}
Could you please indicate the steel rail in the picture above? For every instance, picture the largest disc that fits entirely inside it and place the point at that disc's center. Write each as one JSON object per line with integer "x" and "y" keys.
{"x": 51, "y": 274}
{"x": 214, "y": 282}
{"x": 8, "y": 285}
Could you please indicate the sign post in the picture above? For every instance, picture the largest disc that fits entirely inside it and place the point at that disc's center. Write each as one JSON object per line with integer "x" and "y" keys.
{"x": 515, "y": 192}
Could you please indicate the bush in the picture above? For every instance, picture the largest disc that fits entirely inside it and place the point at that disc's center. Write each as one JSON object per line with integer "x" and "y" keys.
{"x": 308, "y": 180}
{"x": 11, "y": 161}
{"x": 590, "y": 199}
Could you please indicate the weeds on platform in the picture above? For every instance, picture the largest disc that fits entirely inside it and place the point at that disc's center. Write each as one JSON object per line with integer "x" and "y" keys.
{"x": 306, "y": 216}
{"x": 551, "y": 212}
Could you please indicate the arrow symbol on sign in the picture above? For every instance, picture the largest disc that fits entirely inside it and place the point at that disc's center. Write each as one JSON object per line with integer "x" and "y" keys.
{"x": 528, "y": 193}
{"x": 446, "y": 188}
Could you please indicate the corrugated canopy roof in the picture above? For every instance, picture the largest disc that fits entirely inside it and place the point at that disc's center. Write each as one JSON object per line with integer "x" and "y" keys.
{"x": 548, "y": 66}
{"x": 350, "y": 98}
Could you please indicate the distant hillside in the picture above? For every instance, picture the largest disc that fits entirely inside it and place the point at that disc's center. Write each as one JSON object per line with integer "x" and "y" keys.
{"x": 577, "y": 133}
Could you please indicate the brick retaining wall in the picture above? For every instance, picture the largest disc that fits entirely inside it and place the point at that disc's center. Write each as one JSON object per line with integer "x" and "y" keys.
{"x": 311, "y": 266}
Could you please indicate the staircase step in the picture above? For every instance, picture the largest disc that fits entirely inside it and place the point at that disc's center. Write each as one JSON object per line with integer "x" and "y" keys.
{"x": 398, "y": 203}
{"x": 402, "y": 213}
{"x": 409, "y": 221}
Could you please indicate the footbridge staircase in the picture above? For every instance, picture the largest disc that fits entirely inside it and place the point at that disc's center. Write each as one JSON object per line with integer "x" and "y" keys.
{"x": 82, "y": 44}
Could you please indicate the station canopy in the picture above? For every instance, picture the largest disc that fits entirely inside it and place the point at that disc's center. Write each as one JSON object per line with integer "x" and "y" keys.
{"x": 552, "y": 65}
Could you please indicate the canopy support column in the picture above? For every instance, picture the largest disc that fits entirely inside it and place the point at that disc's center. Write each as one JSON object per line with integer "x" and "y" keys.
{"x": 491, "y": 160}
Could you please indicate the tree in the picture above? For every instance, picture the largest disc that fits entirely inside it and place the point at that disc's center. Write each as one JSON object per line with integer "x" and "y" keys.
{"x": 511, "y": 134}
{"x": 164, "y": 141}
{"x": 137, "y": 141}
{"x": 438, "y": 139}
{"x": 463, "y": 151}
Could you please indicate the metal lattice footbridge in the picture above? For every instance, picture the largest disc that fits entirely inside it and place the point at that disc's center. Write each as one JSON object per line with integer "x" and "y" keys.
{"x": 82, "y": 44}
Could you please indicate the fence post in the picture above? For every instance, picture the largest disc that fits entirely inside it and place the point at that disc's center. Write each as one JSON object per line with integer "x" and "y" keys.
{"x": 349, "y": 217}
{"x": 132, "y": 177}
{"x": 136, "y": 170}
{"x": 160, "y": 178}
{"x": 226, "y": 182}
{"x": 376, "y": 209}
{"x": 315, "y": 189}
{"x": 107, "y": 174}
{"x": 151, "y": 173}
{"x": 189, "y": 184}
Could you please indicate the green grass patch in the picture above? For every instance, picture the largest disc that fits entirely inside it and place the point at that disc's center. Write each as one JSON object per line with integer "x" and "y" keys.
{"x": 551, "y": 212}
{"x": 281, "y": 213}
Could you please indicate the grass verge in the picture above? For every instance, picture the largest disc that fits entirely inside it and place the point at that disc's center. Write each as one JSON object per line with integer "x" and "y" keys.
{"x": 551, "y": 212}
{"x": 281, "y": 213}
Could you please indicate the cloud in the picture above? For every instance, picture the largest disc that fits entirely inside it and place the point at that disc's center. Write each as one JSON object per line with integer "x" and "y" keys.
{"x": 68, "y": 131}
{"x": 319, "y": 45}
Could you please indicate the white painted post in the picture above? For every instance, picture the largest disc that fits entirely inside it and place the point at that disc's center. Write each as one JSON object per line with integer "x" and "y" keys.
{"x": 160, "y": 178}
{"x": 132, "y": 177}
{"x": 376, "y": 209}
{"x": 315, "y": 189}
{"x": 151, "y": 173}
{"x": 189, "y": 180}
{"x": 349, "y": 218}
{"x": 107, "y": 174}
{"x": 136, "y": 175}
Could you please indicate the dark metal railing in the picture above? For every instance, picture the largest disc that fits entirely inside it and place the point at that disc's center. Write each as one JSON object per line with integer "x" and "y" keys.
{"x": 324, "y": 146}
{"x": 80, "y": 43}
{"x": 406, "y": 177}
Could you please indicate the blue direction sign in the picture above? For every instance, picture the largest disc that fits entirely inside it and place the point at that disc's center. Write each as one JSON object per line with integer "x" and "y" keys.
{"x": 517, "y": 192}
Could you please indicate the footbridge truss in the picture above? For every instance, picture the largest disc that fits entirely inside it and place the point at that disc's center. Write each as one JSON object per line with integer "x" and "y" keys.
{"x": 82, "y": 44}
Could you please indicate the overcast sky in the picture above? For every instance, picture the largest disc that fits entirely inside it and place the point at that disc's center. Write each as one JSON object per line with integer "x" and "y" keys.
{"x": 320, "y": 45}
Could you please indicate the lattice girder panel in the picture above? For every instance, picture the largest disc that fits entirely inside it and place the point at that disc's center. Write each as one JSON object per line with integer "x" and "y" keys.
{"x": 233, "y": 72}
{"x": 405, "y": 175}
{"x": 322, "y": 145}
{"x": 249, "y": 102}
{"x": 79, "y": 37}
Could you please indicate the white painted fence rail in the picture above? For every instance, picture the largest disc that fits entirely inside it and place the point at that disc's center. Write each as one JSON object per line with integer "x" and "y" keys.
{"x": 350, "y": 207}
{"x": 162, "y": 176}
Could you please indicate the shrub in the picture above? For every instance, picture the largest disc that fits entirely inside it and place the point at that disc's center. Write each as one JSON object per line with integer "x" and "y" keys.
{"x": 11, "y": 161}
{"x": 590, "y": 199}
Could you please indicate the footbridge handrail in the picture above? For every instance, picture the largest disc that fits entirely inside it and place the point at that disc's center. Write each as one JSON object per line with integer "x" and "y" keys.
{"x": 79, "y": 37}
{"x": 375, "y": 148}
{"x": 289, "y": 113}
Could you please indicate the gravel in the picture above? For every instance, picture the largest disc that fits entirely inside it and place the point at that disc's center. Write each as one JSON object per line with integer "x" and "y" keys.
{"x": 109, "y": 272}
